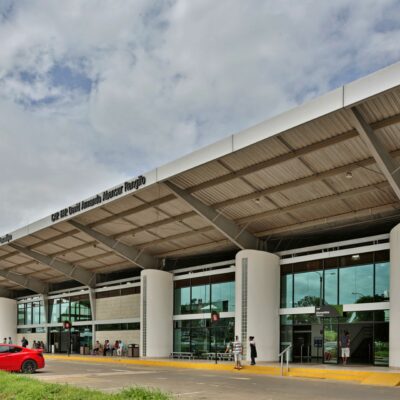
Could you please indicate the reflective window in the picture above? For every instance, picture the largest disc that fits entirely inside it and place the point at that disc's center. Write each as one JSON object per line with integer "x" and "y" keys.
{"x": 287, "y": 291}
{"x": 80, "y": 308}
{"x": 54, "y": 310}
{"x": 37, "y": 313}
{"x": 223, "y": 297}
{"x": 31, "y": 313}
{"x": 200, "y": 302}
{"x": 382, "y": 281}
{"x": 28, "y": 313}
{"x": 331, "y": 286}
{"x": 182, "y": 301}
{"x": 346, "y": 280}
{"x": 356, "y": 284}
{"x": 64, "y": 310}
{"x": 200, "y": 336}
{"x": 205, "y": 294}
{"x": 307, "y": 288}
{"x": 75, "y": 308}
{"x": 21, "y": 314}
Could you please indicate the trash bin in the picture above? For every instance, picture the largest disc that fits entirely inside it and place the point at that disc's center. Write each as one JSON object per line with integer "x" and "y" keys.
{"x": 133, "y": 350}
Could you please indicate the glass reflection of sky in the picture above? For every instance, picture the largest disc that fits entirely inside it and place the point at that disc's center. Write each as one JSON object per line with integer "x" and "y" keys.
{"x": 355, "y": 283}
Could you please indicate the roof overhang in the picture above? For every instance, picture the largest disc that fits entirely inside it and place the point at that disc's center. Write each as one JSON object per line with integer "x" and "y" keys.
{"x": 306, "y": 169}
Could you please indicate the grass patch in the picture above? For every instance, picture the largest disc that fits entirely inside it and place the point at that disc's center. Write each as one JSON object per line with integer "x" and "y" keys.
{"x": 17, "y": 387}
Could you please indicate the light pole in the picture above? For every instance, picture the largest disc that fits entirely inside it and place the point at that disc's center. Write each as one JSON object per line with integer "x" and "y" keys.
{"x": 320, "y": 287}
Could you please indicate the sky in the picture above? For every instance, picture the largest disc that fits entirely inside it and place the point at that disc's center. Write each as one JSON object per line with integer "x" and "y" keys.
{"x": 96, "y": 92}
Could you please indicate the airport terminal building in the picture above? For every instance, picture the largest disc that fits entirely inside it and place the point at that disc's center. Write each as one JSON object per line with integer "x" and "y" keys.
{"x": 290, "y": 230}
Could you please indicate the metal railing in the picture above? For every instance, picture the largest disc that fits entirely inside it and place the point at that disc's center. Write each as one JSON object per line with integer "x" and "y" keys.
{"x": 281, "y": 356}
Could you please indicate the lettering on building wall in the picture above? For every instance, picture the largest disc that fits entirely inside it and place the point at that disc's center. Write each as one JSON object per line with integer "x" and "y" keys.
{"x": 126, "y": 187}
{"x": 6, "y": 238}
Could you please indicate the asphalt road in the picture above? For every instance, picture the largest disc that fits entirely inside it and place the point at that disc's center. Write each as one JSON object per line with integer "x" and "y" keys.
{"x": 203, "y": 384}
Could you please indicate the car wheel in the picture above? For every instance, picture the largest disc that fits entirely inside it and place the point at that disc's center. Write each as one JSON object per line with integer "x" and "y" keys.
{"x": 29, "y": 367}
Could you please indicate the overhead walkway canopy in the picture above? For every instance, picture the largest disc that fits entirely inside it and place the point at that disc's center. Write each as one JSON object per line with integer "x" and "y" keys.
{"x": 331, "y": 162}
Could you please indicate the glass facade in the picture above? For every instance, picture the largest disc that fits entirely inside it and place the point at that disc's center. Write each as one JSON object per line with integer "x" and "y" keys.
{"x": 317, "y": 339}
{"x": 76, "y": 308}
{"x": 359, "y": 278}
{"x": 205, "y": 294}
{"x": 31, "y": 313}
{"x": 200, "y": 336}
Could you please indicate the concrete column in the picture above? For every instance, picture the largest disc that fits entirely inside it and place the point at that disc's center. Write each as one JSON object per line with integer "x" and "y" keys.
{"x": 257, "y": 302}
{"x": 156, "y": 311}
{"x": 394, "y": 316}
{"x": 8, "y": 319}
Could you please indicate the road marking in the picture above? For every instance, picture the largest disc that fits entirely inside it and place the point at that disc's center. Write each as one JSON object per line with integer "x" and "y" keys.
{"x": 188, "y": 393}
{"x": 240, "y": 379}
{"x": 95, "y": 374}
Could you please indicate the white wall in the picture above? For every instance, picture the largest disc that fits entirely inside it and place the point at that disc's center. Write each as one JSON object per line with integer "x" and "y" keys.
{"x": 394, "y": 324}
{"x": 263, "y": 292}
{"x": 156, "y": 333}
{"x": 31, "y": 337}
{"x": 118, "y": 307}
{"x": 8, "y": 319}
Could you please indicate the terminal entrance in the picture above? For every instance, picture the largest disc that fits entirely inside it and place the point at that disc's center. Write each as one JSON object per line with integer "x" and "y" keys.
{"x": 317, "y": 340}
{"x": 80, "y": 336}
{"x": 361, "y": 342}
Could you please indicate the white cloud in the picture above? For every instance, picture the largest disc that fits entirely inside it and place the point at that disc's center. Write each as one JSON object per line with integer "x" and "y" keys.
{"x": 141, "y": 77}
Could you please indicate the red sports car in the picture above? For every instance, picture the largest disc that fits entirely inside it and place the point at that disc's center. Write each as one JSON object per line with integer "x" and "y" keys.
{"x": 17, "y": 358}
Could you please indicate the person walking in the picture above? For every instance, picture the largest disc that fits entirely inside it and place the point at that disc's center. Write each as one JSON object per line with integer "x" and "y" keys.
{"x": 5, "y": 340}
{"x": 24, "y": 342}
{"x": 253, "y": 350}
{"x": 10, "y": 340}
{"x": 237, "y": 352}
{"x": 345, "y": 346}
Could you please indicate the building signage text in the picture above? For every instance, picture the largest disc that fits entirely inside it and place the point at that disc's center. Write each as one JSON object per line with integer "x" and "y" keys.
{"x": 6, "y": 238}
{"x": 99, "y": 198}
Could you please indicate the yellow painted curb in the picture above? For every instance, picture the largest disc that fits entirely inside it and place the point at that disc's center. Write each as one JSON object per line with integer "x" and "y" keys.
{"x": 387, "y": 379}
{"x": 363, "y": 377}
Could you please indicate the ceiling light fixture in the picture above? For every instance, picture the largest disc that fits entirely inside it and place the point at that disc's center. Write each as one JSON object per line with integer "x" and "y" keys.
{"x": 257, "y": 200}
{"x": 349, "y": 175}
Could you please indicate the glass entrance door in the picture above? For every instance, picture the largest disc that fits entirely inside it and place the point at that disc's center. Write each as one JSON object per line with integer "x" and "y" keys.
{"x": 330, "y": 339}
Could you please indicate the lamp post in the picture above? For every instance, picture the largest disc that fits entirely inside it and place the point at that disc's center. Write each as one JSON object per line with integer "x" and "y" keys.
{"x": 320, "y": 287}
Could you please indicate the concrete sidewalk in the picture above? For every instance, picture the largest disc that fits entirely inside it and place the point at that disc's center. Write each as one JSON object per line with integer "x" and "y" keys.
{"x": 368, "y": 375}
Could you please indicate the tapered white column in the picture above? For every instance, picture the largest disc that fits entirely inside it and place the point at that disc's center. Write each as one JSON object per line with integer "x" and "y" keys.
{"x": 156, "y": 311}
{"x": 8, "y": 319}
{"x": 257, "y": 302}
{"x": 394, "y": 317}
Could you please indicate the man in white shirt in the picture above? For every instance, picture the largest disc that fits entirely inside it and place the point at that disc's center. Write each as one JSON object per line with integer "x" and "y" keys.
{"x": 237, "y": 352}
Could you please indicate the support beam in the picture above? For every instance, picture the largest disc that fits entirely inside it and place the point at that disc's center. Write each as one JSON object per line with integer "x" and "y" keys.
{"x": 389, "y": 167}
{"x": 28, "y": 282}
{"x": 239, "y": 236}
{"x": 136, "y": 256}
{"x": 333, "y": 221}
{"x": 75, "y": 272}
